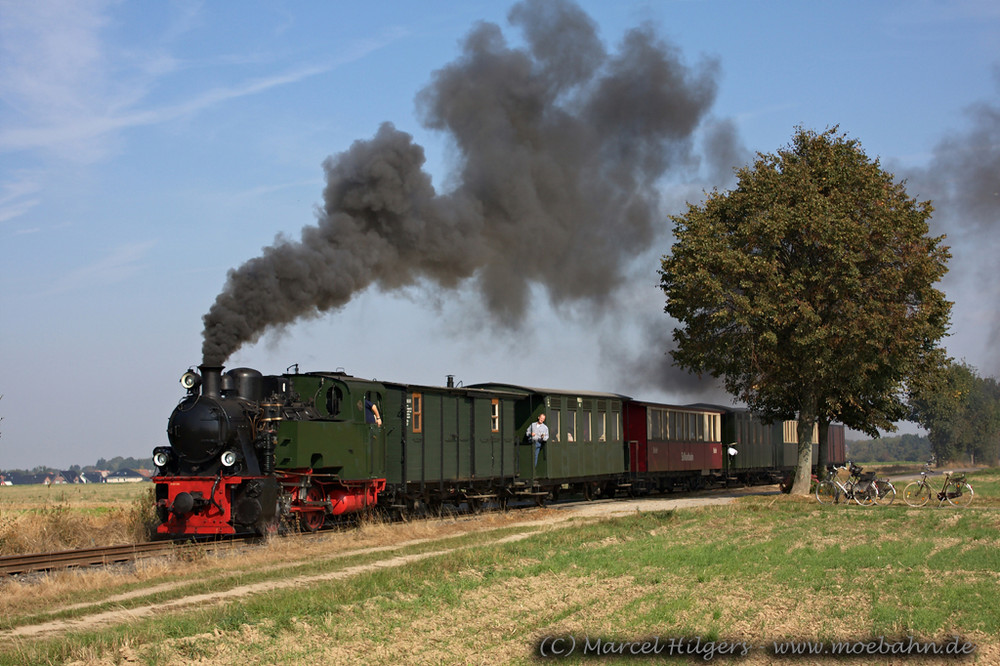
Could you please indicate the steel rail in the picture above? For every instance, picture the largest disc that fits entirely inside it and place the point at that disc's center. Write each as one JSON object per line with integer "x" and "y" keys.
{"x": 88, "y": 557}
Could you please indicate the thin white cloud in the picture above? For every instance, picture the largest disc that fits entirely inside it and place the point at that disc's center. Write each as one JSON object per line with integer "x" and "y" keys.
{"x": 17, "y": 196}
{"x": 53, "y": 62}
{"x": 85, "y": 129}
{"x": 119, "y": 264}
{"x": 70, "y": 96}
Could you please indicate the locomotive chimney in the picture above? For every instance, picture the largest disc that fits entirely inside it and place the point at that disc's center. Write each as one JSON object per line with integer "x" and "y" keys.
{"x": 211, "y": 378}
{"x": 451, "y": 381}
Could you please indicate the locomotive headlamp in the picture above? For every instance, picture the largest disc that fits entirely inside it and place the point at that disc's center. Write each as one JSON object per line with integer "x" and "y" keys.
{"x": 190, "y": 379}
{"x": 228, "y": 458}
{"x": 160, "y": 459}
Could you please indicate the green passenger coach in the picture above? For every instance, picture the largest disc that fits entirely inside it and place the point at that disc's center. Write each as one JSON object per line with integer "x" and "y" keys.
{"x": 448, "y": 444}
{"x": 586, "y": 447}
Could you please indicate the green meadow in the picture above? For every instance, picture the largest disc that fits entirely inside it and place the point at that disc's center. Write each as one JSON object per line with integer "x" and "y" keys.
{"x": 763, "y": 569}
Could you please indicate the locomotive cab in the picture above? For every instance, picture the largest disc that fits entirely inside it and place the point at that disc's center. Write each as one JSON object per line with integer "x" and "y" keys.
{"x": 343, "y": 438}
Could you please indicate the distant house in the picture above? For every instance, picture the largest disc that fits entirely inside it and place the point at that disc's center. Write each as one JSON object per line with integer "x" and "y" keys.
{"x": 27, "y": 478}
{"x": 52, "y": 478}
{"x": 124, "y": 476}
{"x": 72, "y": 477}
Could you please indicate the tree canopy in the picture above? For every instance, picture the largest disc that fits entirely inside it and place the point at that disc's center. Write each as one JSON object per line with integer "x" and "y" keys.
{"x": 809, "y": 288}
{"x": 901, "y": 448}
{"x": 961, "y": 412}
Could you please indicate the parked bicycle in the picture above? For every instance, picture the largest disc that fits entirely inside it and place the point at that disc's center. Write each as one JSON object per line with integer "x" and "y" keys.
{"x": 955, "y": 490}
{"x": 849, "y": 483}
{"x": 885, "y": 492}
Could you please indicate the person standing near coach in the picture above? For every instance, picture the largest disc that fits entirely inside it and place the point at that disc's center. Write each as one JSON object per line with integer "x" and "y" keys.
{"x": 538, "y": 432}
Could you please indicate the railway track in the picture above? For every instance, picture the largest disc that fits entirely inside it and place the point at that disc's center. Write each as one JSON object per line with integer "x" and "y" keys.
{"x": 88, "y": 557}
{"x": 82, "y": 557}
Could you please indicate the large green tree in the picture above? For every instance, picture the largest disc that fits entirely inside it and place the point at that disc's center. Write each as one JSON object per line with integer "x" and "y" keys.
{"x": 961, "y": 412}
{"x": 809, "y": 288}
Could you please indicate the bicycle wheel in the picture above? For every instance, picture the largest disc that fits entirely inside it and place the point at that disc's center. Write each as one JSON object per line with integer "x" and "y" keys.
{"x": 916, "y": 493}
{"x": 826, "y": 492}
{"x": 959, "y": 494}
{"x": 886, "y": 492}
{"x": 865, "y": 496}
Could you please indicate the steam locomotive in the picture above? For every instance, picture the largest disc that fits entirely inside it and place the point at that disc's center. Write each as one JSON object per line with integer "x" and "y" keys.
{"x": 252, "y": 454}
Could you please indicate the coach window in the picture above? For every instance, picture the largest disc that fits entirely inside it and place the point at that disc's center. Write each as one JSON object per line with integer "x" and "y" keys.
{"x": 554, "y": 419}
{"x": 571, "y": 426}
{"x": 585, "y": 426}
{"x": 418, "y": 412}
{"x": 495, "y": 415}
{"x": 601, "y": 424}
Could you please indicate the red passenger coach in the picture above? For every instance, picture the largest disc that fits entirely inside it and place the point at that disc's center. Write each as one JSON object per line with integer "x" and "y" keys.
{"x": 636, "y": 436}
{"x": 836, "y": 445}
{"x": 669, "y": 442}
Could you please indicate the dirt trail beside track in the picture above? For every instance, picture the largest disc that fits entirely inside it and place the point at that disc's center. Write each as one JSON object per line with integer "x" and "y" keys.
{"x": 529, "y": 519}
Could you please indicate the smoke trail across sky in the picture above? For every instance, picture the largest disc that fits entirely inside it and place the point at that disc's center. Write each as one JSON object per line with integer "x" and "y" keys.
{"x": 562, "y": 147}
{"x": 963, "y": 181}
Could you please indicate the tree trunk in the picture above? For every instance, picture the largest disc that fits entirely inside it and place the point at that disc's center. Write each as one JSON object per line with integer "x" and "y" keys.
{"x": 803, "y": 470}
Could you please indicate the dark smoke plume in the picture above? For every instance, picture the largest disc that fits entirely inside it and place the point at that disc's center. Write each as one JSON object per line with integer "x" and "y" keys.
{"x": 561, "y": 147}
{"x": 645, "y": 363}
{"x": 963, "y": 180}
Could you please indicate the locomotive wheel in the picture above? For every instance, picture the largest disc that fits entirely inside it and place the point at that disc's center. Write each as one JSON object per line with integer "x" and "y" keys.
{"x": 310, "y": 521}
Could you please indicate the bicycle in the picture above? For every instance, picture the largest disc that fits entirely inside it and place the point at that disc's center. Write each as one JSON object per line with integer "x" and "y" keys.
{"x": 955, "y": 490}
{"x": 885, "y": 492}
{"x": 865, "y": 486}
{"x": 830, "y": 489}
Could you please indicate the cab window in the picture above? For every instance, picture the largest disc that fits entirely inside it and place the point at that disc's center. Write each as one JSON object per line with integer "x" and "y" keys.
{"x": 334, "y": 398}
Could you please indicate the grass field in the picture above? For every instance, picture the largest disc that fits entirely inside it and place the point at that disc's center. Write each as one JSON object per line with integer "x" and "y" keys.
{"x": 760, "y": 570}
{"x": 76, "y": 496}
{"x": 38, "y": 518}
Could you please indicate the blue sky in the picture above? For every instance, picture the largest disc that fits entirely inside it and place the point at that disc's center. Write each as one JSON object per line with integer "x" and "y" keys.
{"x": 148, "y": 148}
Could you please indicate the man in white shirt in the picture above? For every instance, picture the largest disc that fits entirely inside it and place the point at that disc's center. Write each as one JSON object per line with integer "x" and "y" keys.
{"x": 539, "y": 434}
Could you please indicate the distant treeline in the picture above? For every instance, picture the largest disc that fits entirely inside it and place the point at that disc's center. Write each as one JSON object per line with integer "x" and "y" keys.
{"x": 116, "y": 464}
{"x": 914, "y": 448}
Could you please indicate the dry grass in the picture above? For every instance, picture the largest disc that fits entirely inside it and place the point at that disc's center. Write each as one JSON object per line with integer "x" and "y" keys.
{"x": 506, "y": 601}
{"x": 60, "y": 591}
{"x": 35, "y": 519}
